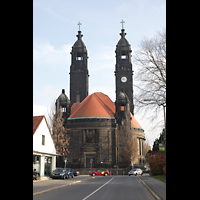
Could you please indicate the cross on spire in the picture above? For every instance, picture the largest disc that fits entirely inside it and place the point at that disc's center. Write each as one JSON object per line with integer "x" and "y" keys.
{"x": 79, "y": 25}
{"x": 122, "y": 23}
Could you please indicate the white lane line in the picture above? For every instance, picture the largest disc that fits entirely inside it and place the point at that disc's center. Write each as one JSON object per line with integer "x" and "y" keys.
{"x": 97, "y": 189}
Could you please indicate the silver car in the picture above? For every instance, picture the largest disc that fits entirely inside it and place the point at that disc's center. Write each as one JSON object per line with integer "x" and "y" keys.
{"x": 135, "y": 172}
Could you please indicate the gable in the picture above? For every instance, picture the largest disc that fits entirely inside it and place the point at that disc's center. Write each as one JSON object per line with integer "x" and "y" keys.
{"x": 42, "y": 130}
{"x": 36, "y": 122}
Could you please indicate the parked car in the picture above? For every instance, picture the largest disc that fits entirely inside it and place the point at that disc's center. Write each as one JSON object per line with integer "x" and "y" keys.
{"x": 103, "y": 172}
{"x": 135, "y": 172}
{"x": 70, "y": 172}
{"x": 60, "y": 173}
{"x": 36, "y": 174}
{"x": 76, "y": 173}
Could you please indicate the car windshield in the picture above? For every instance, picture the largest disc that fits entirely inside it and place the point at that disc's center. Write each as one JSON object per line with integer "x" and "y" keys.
{"x": 59, "y": 170}
{"x": 133, "y": 170}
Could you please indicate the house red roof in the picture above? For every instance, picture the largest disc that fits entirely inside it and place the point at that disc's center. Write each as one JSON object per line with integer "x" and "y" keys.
{"x": 134, "y": 122}
{"x": 36, "y": 122}
{"x": 94, "y": 105}
{"x": 97, "y": 105}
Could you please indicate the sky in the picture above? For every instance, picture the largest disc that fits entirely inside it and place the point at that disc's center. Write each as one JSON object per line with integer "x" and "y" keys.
{"x": 54, "y": 33}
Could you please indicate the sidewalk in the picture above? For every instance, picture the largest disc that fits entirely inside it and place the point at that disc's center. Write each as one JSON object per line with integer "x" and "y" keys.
{"x": 43, "y": 186}
{"x": 157, "y": 186}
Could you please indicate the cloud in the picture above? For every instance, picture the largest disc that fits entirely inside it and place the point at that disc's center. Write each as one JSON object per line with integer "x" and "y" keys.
{"x": 50, "y": 91}
{"x": 39, "y": 110}
{"x": 46, "y": 53}
{"x": 54, "y": 14}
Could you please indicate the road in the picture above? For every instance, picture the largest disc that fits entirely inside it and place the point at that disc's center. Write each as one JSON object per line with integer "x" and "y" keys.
{"x": 101, "y": 188}
{"x": 52, "y": 183}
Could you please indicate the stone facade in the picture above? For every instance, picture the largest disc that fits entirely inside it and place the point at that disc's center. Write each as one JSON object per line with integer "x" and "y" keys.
{"x": 78, "y": 71}
{"x": 92, "y": 138}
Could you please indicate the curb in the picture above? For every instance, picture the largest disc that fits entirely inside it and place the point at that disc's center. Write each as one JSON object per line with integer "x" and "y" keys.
{"x": 151, "y": 192}
{"x": 44, "y": 191}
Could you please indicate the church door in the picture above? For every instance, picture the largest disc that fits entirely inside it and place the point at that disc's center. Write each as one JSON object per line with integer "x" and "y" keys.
{"x": 88, "y": 161}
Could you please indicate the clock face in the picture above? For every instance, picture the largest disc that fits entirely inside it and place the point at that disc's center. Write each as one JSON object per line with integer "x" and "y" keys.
{"x": 123, "y": 79}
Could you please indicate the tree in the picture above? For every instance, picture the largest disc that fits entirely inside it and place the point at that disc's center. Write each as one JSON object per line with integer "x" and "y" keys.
{"x": 128, "y": 145}
{"x": 160, "y": 140}
{"x": 157, "y": 162}
{"x": 150, "y": 60}
{"x": 146, "y": 148}
{"x": 60, "y": 137}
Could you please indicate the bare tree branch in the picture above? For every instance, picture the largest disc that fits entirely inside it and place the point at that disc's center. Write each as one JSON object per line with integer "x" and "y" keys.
{"x": 150, "y": 60}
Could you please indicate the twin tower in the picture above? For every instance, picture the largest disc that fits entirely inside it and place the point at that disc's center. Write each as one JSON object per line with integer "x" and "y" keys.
{"x": 79, "y": 73}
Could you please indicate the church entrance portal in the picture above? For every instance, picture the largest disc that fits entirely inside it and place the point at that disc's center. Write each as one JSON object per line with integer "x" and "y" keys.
{"x": 88, "y": 161}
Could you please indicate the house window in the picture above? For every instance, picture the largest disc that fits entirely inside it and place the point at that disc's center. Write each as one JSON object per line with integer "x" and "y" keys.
{"x": 123, "y": 55}
{"x": 123, "y": 108}
{"x": 78, "y": 98}
{"x": 62, "y": 109}
{"x": 79, "y": 56}
{"x": 43, "y": 139}
{"x": 89, "y": 136}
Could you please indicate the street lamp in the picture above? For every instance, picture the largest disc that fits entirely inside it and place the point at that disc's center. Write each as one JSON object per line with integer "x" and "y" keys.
{"x": 131, "y": 162}
{"x": 65, "y": 161}
{"x": 91, "y": 164}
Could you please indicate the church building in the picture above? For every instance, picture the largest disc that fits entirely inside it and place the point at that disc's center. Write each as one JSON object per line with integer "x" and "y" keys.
{"x": 94, "y": 122}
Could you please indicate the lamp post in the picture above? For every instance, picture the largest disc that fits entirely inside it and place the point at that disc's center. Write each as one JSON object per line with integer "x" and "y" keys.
{"x": 131, "y": 162}
{"x": 65, "y": 161}
{"x": 91, "y": 164}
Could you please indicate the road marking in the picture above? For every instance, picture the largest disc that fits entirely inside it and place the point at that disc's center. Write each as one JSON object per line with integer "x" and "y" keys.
{"x": 54, "y": 188}
{"x": 97, "y": 189}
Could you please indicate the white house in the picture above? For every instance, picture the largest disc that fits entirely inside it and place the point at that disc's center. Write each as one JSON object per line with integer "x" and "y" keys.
{"x": 44, "y": 151}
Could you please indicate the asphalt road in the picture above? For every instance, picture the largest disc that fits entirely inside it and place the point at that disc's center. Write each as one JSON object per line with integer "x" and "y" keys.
{"x": 101, "y": 188}
{"x": 52, "y": 183}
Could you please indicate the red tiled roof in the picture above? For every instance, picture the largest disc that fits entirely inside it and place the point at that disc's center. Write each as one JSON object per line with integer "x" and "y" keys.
{"x": 94, "y": 105}
{"x": 97, "y": 105}
{"x": 36, "y": 122}
{"x": 74, "y": 107}
{"x": 134, "y": 122}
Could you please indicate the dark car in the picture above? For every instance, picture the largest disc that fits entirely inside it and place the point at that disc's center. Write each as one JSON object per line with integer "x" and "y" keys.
{"x": 103, "y": 172}
{"x": 60, "y": 173}
{"x": 36, "y": 174}
{"x": 76, "y": 173}
{"x": 70, "y": 172}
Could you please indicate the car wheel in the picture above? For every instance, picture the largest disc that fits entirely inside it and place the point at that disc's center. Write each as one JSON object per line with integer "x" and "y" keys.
{"x": 105, "y": 174}
{"x": 93, "y": 174}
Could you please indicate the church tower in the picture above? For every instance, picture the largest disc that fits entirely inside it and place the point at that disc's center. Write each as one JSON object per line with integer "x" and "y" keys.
{"x": 78, "y": 71}
{"x": 123, "y": 68}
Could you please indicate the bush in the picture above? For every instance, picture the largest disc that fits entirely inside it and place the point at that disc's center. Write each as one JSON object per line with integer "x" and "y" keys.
{"x": 157, "y": 162}
{"x": 164, "y": 169}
